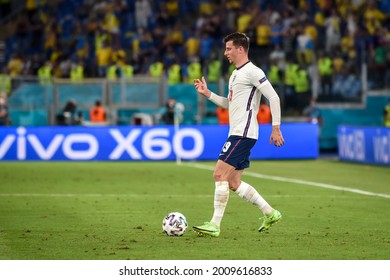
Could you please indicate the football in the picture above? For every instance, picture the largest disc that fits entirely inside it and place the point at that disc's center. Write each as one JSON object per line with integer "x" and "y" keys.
{"x": 174, "y": 224}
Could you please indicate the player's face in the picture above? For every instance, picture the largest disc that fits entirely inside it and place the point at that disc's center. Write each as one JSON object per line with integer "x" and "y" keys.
{"x": 231, "y": 52}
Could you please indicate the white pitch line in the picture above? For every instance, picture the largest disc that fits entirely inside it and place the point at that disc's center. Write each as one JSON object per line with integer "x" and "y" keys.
{"x": 298, "y": 181}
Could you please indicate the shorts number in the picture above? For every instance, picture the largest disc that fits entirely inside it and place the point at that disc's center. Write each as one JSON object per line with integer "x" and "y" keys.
{"x": 226, "y": 147}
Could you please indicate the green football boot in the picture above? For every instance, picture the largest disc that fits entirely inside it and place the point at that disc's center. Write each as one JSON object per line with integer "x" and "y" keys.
{"x": 208, "y": 228}
{"x": 268, "y": 221}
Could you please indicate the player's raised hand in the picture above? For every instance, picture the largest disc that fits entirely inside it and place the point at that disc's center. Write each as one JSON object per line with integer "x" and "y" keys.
{"x": 201, "y": 87}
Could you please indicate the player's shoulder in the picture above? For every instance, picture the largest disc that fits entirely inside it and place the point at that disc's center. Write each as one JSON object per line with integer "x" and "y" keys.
{"x": 251, "y": 66}
{"x": 254, "y": 70}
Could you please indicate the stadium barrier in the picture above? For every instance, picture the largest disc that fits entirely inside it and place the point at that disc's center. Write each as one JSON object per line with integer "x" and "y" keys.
{"x": 369, "y": 145}
{"x": 121, "y": 98}
{"x": 369, "y": 113}
{"x": 146, "y": 143}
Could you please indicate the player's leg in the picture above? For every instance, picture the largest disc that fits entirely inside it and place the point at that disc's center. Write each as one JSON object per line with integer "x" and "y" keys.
{"x": 239, "y": 158}
{"x": 233, "y": 159}
{"x": 250, "y": 194}
{"x": 221, "y": 174}
{"x": 221, "y": 198}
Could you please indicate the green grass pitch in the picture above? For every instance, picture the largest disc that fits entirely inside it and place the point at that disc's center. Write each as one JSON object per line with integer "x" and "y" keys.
{"x": 114, "y": 210}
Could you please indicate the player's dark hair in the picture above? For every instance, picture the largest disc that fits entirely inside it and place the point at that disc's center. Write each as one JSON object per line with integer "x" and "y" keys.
{"x": 239, "y": 40}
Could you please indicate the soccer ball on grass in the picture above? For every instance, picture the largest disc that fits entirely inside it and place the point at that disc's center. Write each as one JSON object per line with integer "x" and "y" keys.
{"x": 174, "y": 224}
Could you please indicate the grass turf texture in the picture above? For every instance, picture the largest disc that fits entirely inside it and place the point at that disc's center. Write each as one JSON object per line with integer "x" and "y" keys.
{"x": 114, "y": 211}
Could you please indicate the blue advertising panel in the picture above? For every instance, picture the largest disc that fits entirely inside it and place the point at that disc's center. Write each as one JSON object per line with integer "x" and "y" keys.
{"x": 143, "y": 143}
{"x": 364, "y": 144}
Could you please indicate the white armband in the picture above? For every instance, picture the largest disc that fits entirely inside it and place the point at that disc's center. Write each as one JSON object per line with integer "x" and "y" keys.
{"x": 219, "y": 100}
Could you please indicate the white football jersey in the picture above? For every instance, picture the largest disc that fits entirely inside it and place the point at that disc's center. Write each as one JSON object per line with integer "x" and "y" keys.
{"x": 244, "y": 100}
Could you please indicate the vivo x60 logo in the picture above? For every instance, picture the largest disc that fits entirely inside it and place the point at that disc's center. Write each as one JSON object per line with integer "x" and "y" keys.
{"x": 106, "y": 144}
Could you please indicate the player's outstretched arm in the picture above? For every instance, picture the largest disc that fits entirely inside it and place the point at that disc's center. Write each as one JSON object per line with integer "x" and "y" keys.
{"x": 201, "y": 88}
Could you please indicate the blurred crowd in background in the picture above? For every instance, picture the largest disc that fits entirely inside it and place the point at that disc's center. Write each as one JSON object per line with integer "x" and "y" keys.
{"x": 295, "y": 42}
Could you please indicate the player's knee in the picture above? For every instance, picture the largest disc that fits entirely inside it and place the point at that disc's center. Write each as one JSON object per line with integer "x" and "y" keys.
{"x": 218, "y": 177}
{"x": 234, "y": 184}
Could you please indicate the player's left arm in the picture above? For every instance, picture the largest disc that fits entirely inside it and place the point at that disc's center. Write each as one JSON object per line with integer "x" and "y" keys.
{"x": 274, "y": 101}
{"x": 266, "y": 89}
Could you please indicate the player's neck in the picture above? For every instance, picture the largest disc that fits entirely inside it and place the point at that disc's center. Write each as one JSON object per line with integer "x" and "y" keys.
{"x": 242, "y": 61}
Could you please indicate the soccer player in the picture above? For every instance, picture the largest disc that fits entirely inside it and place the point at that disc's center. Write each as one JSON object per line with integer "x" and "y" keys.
{"x": 247, "y": 84}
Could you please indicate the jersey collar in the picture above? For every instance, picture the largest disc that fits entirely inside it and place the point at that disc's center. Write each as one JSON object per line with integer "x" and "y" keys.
{"x": 238, "y": 68}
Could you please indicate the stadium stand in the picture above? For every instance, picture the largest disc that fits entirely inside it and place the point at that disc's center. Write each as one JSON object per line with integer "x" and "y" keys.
{"x": 354, "y": 35}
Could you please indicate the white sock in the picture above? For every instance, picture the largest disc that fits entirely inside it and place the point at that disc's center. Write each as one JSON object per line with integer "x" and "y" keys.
{"x": 250, "y": 194}
{"x": 221, "y": 197}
